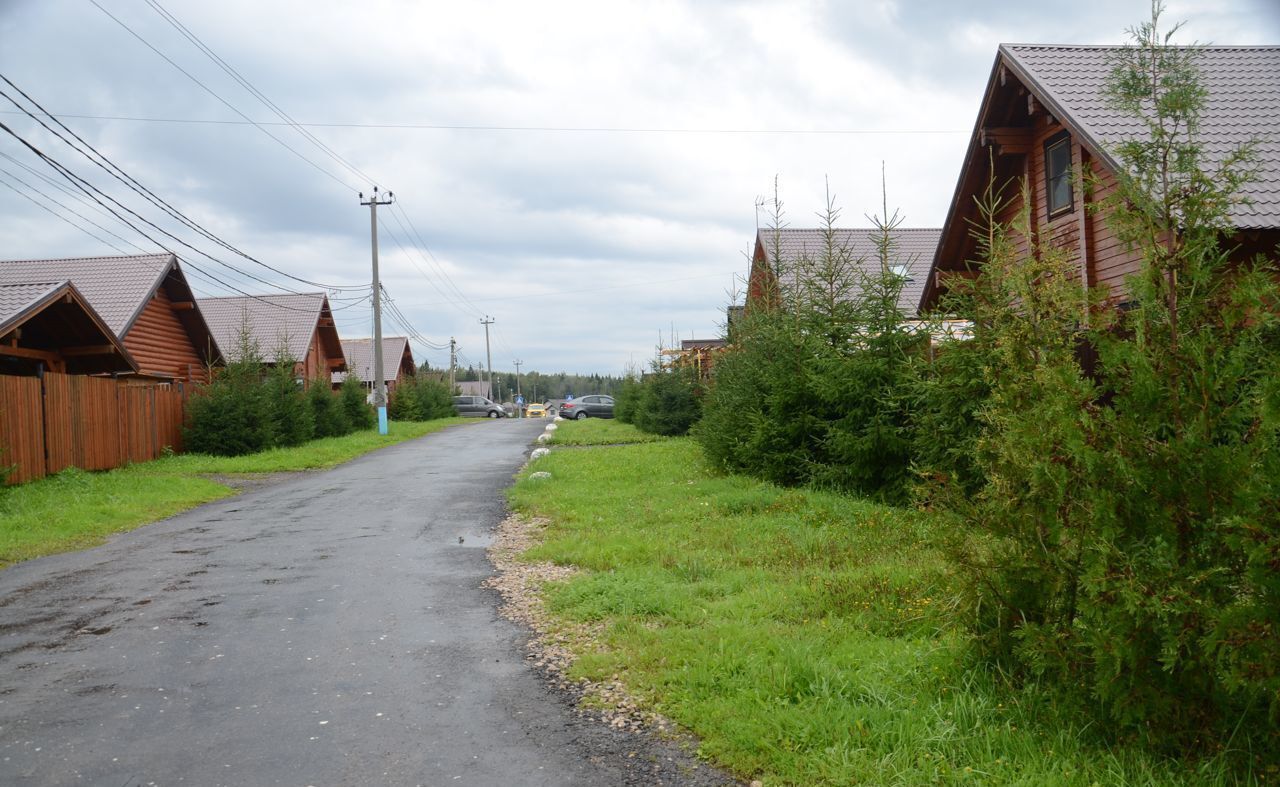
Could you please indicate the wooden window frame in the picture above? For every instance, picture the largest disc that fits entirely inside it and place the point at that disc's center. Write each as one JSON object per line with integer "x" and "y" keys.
{"x": 1061, "y": 138}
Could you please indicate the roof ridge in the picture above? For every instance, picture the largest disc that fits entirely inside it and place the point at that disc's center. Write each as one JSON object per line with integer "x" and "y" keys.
{"x": 1232, "y": 47}
{"x": 96, "y": 257}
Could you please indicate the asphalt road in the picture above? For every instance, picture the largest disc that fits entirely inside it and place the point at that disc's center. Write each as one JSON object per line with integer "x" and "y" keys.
{"x": 328, "y": 630}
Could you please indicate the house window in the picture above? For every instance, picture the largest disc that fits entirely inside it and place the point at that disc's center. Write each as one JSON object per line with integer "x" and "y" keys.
{"x": 1057, "y": 174}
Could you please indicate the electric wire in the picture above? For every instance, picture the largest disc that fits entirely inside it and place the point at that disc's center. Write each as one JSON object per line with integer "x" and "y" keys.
{"x": 73, "y": 211}
{"x": 247, "y": 85}
{"x": 53, "y": 213}
{"x": 226, "y": 103}
{"x": 107, "y": 165}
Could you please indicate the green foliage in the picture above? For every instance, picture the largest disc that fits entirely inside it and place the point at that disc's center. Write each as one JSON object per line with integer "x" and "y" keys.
{"x": 292, "y": 422}
{"x": 669, "y": 402}
{"x": 816, "y": 386}
{"x": 355, "y": 410}
{"x": 1124, "y": 545}
{"x": 232, "y": 415}
{"x": 627, "y": 400}
{"x": 804, "y": 637}
{"x": 326, "y": 410}
{"x": 421, "y": 397}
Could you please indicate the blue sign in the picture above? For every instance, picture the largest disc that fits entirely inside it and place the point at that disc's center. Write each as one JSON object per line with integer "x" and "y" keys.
{"x": 520, "y": 400}
{"x": 568, "y": 397}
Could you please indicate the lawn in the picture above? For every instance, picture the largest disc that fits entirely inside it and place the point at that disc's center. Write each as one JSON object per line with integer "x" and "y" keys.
{"x": 600, "y": 431}
{"x": 77, "y": 509}
{"x": 803, "y": 637}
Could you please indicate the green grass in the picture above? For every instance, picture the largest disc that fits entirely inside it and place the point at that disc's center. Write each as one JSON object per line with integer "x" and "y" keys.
{"x": 77, "y": 509}
{"x": 600, "y": 431}
{"x": 804, "y": 637}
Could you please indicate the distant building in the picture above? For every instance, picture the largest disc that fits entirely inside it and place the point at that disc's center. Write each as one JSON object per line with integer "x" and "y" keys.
{"x": 397, "y": 361}
{"x": 299, "y": 326}
{"x": 474, "y": 388}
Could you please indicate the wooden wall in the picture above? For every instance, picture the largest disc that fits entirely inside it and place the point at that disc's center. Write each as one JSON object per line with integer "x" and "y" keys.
{"x": 94, "y": 423}
{"x": 161, "y": 345}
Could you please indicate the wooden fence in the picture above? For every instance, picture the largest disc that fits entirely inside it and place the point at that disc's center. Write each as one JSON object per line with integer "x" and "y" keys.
{"x": 95, "y": 423}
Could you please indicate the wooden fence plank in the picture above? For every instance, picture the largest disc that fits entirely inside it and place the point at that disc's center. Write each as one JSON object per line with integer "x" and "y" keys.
{"x": 94, "y": 423}
{"x": 21, "y": 428}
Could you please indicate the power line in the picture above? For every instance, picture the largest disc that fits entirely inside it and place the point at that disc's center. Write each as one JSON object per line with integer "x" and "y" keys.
{"x": 53, "y": 213}
{"x": 247, "y": 85}
{"x": 536, "y": 129}
{"x": 107, "y": 165}
{"x": 73, "y": 211}
{"x": 226, "y": 103}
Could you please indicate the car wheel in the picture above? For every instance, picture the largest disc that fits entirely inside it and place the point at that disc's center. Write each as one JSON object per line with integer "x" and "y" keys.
{"x": 494, "y": 414}
{"x": 580, "y": 416}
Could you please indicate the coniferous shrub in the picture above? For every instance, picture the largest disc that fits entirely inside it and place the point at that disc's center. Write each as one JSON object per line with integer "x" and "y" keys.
{"x": 402, "y": 404}
{"x": 326, "y": 410}
{"x": 626, "y": 400}
{"x": 435, "y": 399}
{"x": 669, "y": 402}
{"x": 1125, "y": 544}
{"x": 357, "y": 412}
{"x": 232, "y": 415}
{"x": 292, "y": 422}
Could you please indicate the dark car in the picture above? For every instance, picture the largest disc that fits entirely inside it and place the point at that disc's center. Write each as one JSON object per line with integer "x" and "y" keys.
{"x": 594, "y": 406}
{"x": 477, "y": 407}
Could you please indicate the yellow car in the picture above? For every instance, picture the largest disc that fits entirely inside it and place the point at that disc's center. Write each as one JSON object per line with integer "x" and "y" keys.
{"x": 535, "y": 411}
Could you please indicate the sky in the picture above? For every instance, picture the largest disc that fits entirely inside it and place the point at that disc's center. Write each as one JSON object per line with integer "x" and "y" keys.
{"x": 586, "y": 174}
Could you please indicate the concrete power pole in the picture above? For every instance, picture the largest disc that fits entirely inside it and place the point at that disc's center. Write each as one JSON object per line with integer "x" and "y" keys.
{"x": 488, "y": 358}
{"x": 519, "y": 393}
{"x": 379, "y": 381}
{"x": 453, "y": 364}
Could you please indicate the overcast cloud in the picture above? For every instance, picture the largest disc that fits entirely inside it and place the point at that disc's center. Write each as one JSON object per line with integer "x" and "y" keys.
{"x": 582, "y": 244}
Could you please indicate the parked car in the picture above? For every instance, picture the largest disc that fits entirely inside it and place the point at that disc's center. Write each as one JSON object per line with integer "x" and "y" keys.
{"x": 594, "y": 406}
{"x": 477, "y": 407}
{"x": 535, "y": 410}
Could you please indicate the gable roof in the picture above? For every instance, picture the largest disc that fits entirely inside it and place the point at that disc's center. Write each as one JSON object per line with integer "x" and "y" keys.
{"x": 914, "y": 248}
{"x": 1243, "y": 104}
{"x": 359, "y": 355}
{"x": 275, "y": 322}
{"x": 54, "y": 317}
{"x": 118, "y": 287}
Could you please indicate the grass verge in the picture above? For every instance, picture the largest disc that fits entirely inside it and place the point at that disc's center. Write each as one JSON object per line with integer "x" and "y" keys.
{"x": 804, "y": 637}
{"x": 76, "y": 509}
{"x": 600, "y": 431}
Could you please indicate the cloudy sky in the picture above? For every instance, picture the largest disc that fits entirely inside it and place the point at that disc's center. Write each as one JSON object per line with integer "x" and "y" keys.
{"x": 586, "y": 173}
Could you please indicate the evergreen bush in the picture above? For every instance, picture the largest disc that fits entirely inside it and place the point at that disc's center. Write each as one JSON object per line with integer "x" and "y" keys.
{"x": 357, "y": 412}
{"x": 326, "y": 410}
{"x": 232, "y": 415}
{"x": 292, "y": 422}
{"x": 669, "y": 402}
{"x": 1125, "y": 545}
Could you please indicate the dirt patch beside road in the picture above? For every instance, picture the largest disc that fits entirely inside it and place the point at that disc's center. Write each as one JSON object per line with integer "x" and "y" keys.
{"x": 248, "y": 482}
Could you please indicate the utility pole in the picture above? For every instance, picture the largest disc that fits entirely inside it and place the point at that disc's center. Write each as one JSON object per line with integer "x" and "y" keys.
{"x": 453, "y": 364}
{"x": 379, "y": 381}
{"x": 519, "y": 393}
{"x": 488, "y": 358}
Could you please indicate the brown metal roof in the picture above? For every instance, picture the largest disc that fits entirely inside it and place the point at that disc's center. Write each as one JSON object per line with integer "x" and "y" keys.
{"x": 275, "y": 322}
{"x": 118, "y": 287}
{"x": 913, "y": 248}
{"x": 1243, "y": 104}
{"x": 55, "y": 317}
{"x": 359, "y": 355}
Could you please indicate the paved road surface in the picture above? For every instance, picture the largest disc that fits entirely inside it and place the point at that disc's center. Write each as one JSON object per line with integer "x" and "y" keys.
{"x": 328, "y": 630}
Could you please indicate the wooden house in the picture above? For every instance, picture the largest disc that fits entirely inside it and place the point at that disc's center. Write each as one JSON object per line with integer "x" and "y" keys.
{"x": 50, "y": 326}
{"x": 296, "y": 326}
{"x": 397, "y": 361}
{"x": 780, "y": 257}
{"x": 1043, "y": 121}
{"x": 146, "y": 303}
